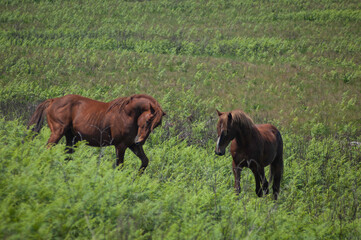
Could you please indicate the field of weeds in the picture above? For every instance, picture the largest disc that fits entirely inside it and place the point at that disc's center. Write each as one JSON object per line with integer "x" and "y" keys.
{"x": 294, "y": 64}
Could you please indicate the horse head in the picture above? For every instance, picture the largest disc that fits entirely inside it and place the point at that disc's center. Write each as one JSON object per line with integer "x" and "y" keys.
{"x": 145, "y": 112}
{"x": 149, "y": 118}
{"x": 224, "y": 131}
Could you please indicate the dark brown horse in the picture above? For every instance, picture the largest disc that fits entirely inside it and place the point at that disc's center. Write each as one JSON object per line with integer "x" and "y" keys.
{"x": 253, "y": 146}
{"x": 124, "y": 122}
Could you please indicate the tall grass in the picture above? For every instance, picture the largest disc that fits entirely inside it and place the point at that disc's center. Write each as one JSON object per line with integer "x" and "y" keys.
{"x": 295, "y": 64}
{"x": 186, "y": 192}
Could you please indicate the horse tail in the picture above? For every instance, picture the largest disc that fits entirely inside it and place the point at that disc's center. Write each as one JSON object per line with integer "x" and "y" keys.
{"x": 37, "y": 119}
{"x": 276, "y": 169}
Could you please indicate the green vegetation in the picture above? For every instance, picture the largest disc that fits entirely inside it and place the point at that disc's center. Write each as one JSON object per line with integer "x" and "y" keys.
{"x": 295, "y": 64}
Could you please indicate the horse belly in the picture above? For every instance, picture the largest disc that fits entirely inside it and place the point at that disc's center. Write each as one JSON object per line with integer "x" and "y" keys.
{"x": 95, "y": 137}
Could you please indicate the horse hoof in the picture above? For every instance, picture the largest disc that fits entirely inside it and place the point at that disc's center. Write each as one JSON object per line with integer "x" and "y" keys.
{"x": 275, "y": 196}
{"x": 259, "y": 193}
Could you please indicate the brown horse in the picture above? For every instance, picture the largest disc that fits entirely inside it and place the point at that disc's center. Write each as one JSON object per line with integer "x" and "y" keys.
{"x": 253, "y": 146}
{"x": 124, "y": 122}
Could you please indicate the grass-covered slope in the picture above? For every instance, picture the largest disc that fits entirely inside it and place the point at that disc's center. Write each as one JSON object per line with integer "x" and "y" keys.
{"x": 186, "y": 192}
{"x": 295, "y": 64}
{"x": 285, "y": 60}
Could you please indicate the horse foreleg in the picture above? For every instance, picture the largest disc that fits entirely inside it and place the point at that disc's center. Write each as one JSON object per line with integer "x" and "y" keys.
{"x": 237, "y": 176}
{"x": 120, "y": 151}
{"x": 139, "y": 152}
{"x": 70, "y": 141}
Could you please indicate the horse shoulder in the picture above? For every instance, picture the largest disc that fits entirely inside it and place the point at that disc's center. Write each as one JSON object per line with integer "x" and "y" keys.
{"x": 238, "y": 152}
{"x": 234, "y": 148}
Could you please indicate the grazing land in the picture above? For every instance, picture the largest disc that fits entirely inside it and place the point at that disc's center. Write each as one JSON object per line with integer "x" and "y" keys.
{"x": 295, "y": 64}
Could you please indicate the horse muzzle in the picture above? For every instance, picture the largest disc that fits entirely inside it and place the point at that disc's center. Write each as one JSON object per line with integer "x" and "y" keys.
{"x": 219, "y": 153}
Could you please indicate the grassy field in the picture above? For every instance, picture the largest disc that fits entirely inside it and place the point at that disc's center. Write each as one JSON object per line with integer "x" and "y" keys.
{"x": 295, "y": 64}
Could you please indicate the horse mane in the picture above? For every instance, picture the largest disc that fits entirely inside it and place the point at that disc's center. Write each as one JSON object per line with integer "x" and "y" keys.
{"x": 158, "y": 114}
{"x": 118, "y": 103}
{"x": 242, "y": 120}
{"x": 123, "y": 101}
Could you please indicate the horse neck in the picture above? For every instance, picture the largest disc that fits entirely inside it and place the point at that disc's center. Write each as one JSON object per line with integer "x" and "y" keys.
{"x": 245, "y": 135}
{"x": 137, "y": 107}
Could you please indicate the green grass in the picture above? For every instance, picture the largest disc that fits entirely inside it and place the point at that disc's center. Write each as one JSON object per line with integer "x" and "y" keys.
{"x": 295, "y": 64}
{"x": 185, "y": 193}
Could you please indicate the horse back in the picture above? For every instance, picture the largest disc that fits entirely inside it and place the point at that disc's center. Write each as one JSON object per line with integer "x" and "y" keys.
{"x": 75, "y": 104}
{"x": 268, "y": 132}
{"x": 74, "y": 110}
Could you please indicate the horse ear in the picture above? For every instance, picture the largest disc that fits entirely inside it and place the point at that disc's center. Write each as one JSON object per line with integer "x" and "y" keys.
{"x": 229, "y": 117}
{"x": 219, "y": 113}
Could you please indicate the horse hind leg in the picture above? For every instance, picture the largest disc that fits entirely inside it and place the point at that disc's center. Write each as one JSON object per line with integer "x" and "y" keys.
{"x": 276, "y": 168}
{"x": 57, "y": 132}
{"x": 260, "y": 178}
{"x": 54, "y": 138}
{"x": 276, "y": 172}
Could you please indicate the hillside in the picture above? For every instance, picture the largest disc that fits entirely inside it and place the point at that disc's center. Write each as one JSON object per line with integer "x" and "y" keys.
{"x": 294, "y": 64}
